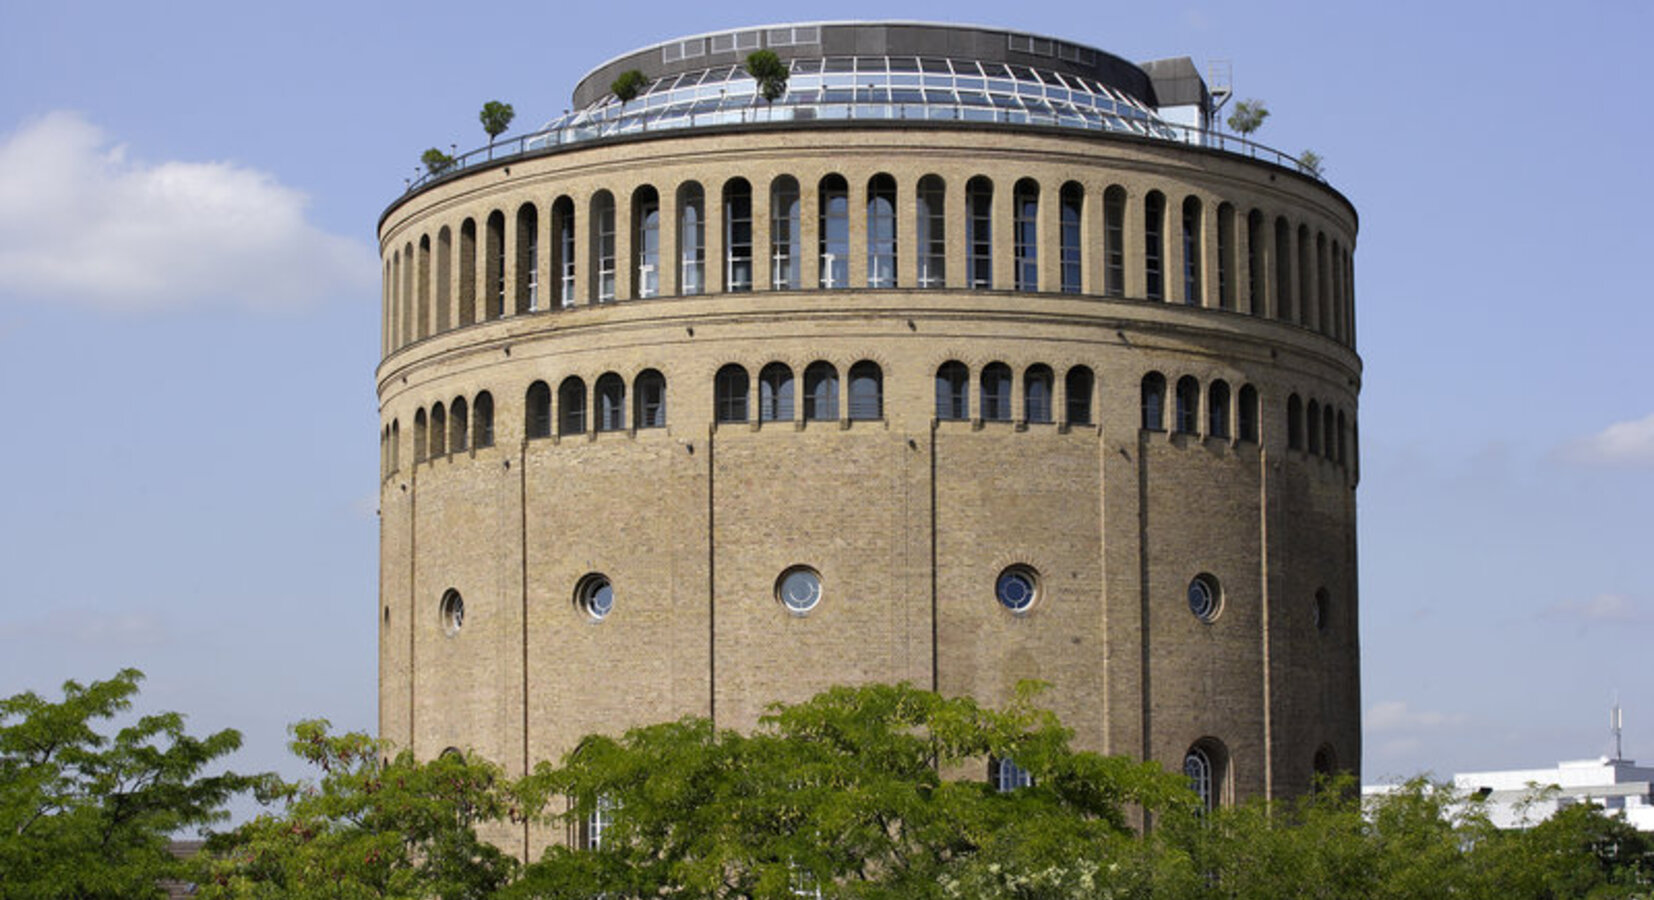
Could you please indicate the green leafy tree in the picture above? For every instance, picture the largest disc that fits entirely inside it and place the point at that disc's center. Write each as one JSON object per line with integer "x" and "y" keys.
{"x": 770, "y": 73}
{"x": 630, "y": 83}
{"x": 846, "y": 793}
{"x": 496, "y": 118}
{"x": 1309, "y": 163}
{"x": 369, "y": 828}
{"x": 86, "y": 814}
{"x": 1248, "y": 117}
{"x": 436, "y": 161}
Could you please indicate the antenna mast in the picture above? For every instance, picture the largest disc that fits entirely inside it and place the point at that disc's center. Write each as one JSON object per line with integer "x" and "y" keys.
{"x": 1616, "y": 724}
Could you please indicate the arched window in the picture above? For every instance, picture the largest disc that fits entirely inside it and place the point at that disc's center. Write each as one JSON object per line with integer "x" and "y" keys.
{"x": 444, "y": 274}
{"x": 737, "y": 235}
{"x": 1114, "y": 241}
{"x": 611, "y": 402}
{"x": 1217, "y": 410}
{"x": 410, "y": 317}
{"x": 528, "y": 259}
{"x": 421, "y": 437}
{"x": 439, "y": 431}
{"x": 562, "y": 243}
{"x": 834, "y": 238}
{"x": 995, "y": 404}
{"x": 597, "y": 823}
{"x": 820, "y": 392}
{"x": 494, "y": 259}
{"x": 1312, "y": 426}
{"x": 537, "y": 411}
{"x": 1329, "y": 432}
{"x": 423, "y": 285}
{"x": 468, "y": 272}
{"x": 646, "y": 242}
{"x": 931, "y": 231}
{"x": 1323, "y": 286}
{"x": 881, "y": 231}
{"x": 1036, "y": 393}
{"x": 786, "y": 235}
{"x": 1257, "y": 257}
{"x": 571, "y": 405}
{"x": 459, "y": 426}
{"x": 866, "y": 391}
{"x": 396, "y": 445}
{"x": 1343, "y": 440}
{"x": 1025, "y": 221}
{"x": 649, "y": 399}
{"x": 482, "y": 425}
{"x": 1226, "y": 254}
{"x": 1008, "y": 776}
{"x": 730, "y": 390}
{"x": 1191, "y": 251}
{"x": 1188, "y": 405}
{"x": 775, "y": 393}
{"x": 1077, "y": 389}
{"x": 691, "y": 238}
{"x": 1306, "y": 274}
{"x": 603, "y": 246}
{"x": 1248, "y": 414}
{"x": 1154, "y": 402}
{"x": 1283, "y": 269}
{"x": 1294, "y": 423}
{"x": 1154, "y": 246}
{"x": 1205, "y": 764}
{"x": 979, "y": 235}
{"x": 953, "y": 390}
{"x": 1073, "y": 206}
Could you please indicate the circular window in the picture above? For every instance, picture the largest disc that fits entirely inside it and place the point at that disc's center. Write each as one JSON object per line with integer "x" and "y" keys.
{"x": 595, "y": 595}
{"x": 799, "y": 589}
{"x": 452, "y": 611}
{"x": 1017, "y": 588}
{"x": 1205, "y": 599}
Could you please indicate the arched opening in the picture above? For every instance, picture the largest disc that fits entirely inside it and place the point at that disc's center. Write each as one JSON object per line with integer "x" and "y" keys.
{"x": 881, "y": 231}
{"x": 422, "y": 279}
{"x": 1294, "y": 423}
{"x": 494, "y": 260}
{"x": 1217, "y": 410}
{"x": 866, "y": 391}
{"x": 1036, "y": 393}
{"x": 1188, "y": 405}
{"x": 468, "y": 272}
{"x": 562, "y": 243}
{"x": 602, "y": 219}
{"x": 952, "y": 391}
{"x": 482, "y": 426}
{"x": 979, "y": 235}
{"x": 1025, "y": 234}
{"x": 786, "y": 235}
{"x": 1154, "y": 402}
{"x": 730, "y": 391}
{"x": 820, "y": 392}
{"x": 528, "y": 259}
{"x": 1114, "y": 241}
{"x": 421, "y": 437}
{"x": 1312, "y": 427}
{"x": 537, "y": 411}
{"x": 775, "y": 393}
{"x": 444, "y": 276}
{"x": 649, "y": 399}
{"x": 1256, "y": 263}
{"x": 1078, "y": 386}
{"x": 571, "y": 405}
{"x": 931, "y": 231}
{"x": 439, "y": 431}
{"x": 1329, "y": 432}
{"x": 1283, "y": 269}
{"x": 1226, "y": 256}
{"x": 1247, "y": 414}
{"x": 1206, "y": 764}
{"x": 737, "y": 235}
{"x": 834, "y": 237}
{"x": 611, "y": 402}
{"x": 691, "y": 238}
{"x": 1154, "y": 246}
{"x": 1191, "y": 251}
{"x": 646, "y": 242}
{"x": 1071, "y": 250}
{"x": 995, "y": 401}
{"x": 459, "y": 426}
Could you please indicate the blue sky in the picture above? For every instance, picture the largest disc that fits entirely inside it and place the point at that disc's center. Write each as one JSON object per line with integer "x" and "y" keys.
{"x": 188, "y": 304}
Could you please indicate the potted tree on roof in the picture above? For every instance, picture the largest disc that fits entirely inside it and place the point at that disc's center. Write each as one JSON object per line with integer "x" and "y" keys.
{"x": 496, "y": 118}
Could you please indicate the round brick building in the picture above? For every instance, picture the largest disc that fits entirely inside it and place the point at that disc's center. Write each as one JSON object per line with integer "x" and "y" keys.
{"x": 974, "y": 356}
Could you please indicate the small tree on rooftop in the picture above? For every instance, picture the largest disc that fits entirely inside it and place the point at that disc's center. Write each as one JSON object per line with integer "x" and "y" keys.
{"x": 436, "y": 161}
{"x": 630, "y": 83}
{"x": 496, "y": 118}
{"x": 770, "y": 73}
{"x": 1248, "y": 116}
{"x": 1309, "y": 163}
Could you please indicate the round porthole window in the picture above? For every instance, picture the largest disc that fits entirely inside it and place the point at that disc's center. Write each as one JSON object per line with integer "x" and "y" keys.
{"x": 799, "y": 589}
{"x": 452, "y": 611}
{"x": 1017, "y": 588}
{"x": 595, "y": 595}
{"x": 1205, "y": 599}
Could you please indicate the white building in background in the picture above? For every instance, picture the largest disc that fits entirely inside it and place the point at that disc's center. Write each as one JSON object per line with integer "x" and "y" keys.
{"x": 1517, "y": 798}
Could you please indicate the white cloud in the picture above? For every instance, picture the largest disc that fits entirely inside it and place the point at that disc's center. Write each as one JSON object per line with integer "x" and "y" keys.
{"x": 80, "y": 222}
{"x": 1394, "y": 716}
{"x": 1601, "y": 608}
{"x": 1620, "y": 444}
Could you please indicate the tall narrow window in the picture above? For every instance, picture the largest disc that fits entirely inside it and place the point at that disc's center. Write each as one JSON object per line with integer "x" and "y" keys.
{"x": 422, "y": 278}
{"x": 1312, "y": 427}
{"x": 571, "y": 403}
{"x": 1342, "y": 456}
{"x": 611, "y": 402}
{"x": 820, "y": 392}
{"x": 421, "y": 437}
{"x": 537, "y": 411}
{"x": 1073, "y": 207}
{"x": 775, "y": 393}
{"x": 646, "y": 242}
{"x": 786, "y": 250}
{"x": 1154, "y": 402}
{"x": 1197, "y": 767}
{"x": 1191, "y": 251}
{"x": 1036, "y": 394}
{"x": 1323, "y": 285}
{"x": 649, "y": 393}
{"x": 1188, "y": 405}
{"x": 562, "y": 224}
{"x": 1025, "y": 220}
{"x": 835, "y": 232}
{"x": 995, "y": 404}
{"x": 603, "y": 246}
{"x": 866, "y": 391}
{"x": 410, "y": 317}
{"x": 1217, "y": 410}
{"x": 737, "y": 235}
{"x": 881, "y": 231}
{"x": 931, "y": 232}
{"x": 1247, "y": 414}
{"x": 953, "y": 388}
{"x": 1226, "y": 253}
{"x": 979, "y": 242}
{"x": 482, "y": 425}
{"x": 439, "y": 431}
{"x": 468, "y": 272}
{"x": 494, "y": 259}
{"x": 1256, "y": 262}
{"x": 528, "y": 259}
{"x": 1306, "y": 274}
{"x": 459, "y": 425}
{"x": 1329, "y": 433}
{"x": 691, "y": 239}
{"x": 730, "y": 389}
{"x": 1114, "y": 241}
{"x": 1294, "y": 423}
{"x": 396, "y": 445}
{"x": 1283, "y": 270}
{"x": 1154, "y": 246}
{"x": 444, "y": 277}
{"x": 1077, "y": 388}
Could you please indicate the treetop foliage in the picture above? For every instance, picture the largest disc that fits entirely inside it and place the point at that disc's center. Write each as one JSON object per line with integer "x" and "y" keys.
{"x": 1248, "y": 116}
{"x": 496, "y": 118}
{"x": 770, "y": 72}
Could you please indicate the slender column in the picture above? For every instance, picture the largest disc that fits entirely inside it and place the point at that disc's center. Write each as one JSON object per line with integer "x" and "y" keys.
{"x": 666, "y": 272}
{"x": 1002, "y": 230}
{"x": 856, "y": 202}
{"x": 1048, "y": 232}
{"x": 763, "y": 255}
{"x": 624, "y": 289}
